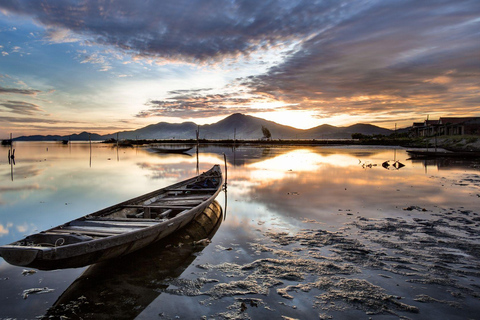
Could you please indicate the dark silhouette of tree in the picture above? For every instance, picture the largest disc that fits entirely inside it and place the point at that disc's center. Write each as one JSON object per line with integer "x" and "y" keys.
{"x": 266, "y": 133}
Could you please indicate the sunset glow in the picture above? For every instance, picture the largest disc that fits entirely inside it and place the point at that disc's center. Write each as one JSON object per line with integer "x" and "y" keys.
{"x": 70, "y": 66}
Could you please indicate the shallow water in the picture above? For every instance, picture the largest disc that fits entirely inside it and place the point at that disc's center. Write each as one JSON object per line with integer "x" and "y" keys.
{"x": 310, "y": 232}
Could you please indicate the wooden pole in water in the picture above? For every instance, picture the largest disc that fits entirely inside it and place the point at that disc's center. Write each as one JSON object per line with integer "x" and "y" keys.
{"x": 226, "y": 175}
{"x": 90, "y": 139}
{"x": 118, "y": 159}
{"x": 197, "y": 132}
{"x": 11, "y": 156}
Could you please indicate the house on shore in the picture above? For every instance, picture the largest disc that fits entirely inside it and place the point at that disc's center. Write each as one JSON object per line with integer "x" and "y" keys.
{"x": 446, "y": 126}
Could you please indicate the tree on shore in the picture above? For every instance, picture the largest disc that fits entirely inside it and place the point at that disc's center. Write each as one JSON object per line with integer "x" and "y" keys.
{"x": 266, "y": 133}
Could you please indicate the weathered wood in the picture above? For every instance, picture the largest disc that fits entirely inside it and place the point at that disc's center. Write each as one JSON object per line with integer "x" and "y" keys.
{"x": 167, "y": 206}
{"x": 194, "y": 190}
{"x": 116, "y": 230}
{"x": 121, "y": 219}
{"x": 86, "y": 233}
{"x": 125, "y": 224}
{"x": 165, "y": 214}
{"x": 183, "y": 198}
{"x": 146, "y": 213}
{"x": 114, "y": 234}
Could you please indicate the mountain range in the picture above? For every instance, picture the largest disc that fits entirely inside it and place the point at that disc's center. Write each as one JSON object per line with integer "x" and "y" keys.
{"x": 237, "y": 126}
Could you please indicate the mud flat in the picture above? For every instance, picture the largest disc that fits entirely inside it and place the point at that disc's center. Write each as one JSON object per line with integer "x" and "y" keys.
{"x": 423, "y": 264}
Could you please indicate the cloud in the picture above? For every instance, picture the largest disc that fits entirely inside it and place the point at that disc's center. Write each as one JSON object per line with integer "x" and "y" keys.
{"x": 348, "y": 57}
{"x": 200, "y": 103}
{"x": 95, "y": 58}
{"x": 61, "y": 35}
{"x": 18, "y": 91}
{"x": 393, "y": 55}
{"x": 31, "y": 121}
{"x": 181, "y": 30}
{"x": 21, "y": 107}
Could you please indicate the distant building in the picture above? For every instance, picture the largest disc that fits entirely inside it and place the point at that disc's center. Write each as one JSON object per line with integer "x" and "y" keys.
{"x": 446, "y": 126}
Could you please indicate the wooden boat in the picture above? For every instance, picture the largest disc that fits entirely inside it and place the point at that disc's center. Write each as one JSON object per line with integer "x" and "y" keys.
{"x": 171, "y": 150}
{"x": 119, "y": 229}
{"x": 138, "y": 278}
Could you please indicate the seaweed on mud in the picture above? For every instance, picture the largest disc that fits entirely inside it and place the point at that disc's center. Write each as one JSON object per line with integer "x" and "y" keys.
{"x": 259, "y": 248}
{"x": 233, "y": 288}
{"x": 365, "y": 296}
{"x": 185, "y": 287}
{"x": 426, "y": 298}
{"x": 283, "y": 238}
{"x": 231, "y": 268}
{"x": 279, "y": 266}
{"x": 443, "y": 250}
{"x": 322, "y": 283}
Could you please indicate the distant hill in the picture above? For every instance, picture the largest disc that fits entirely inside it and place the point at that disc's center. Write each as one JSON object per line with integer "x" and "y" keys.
{"x": 236, "y": 125}
{"x": 84, "y": 136}
{"x": 246, "y": 127}
{"x": 162, "y": 130}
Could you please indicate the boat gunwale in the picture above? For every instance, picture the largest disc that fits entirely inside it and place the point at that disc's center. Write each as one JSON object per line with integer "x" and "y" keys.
{"x": 55, "y": 253}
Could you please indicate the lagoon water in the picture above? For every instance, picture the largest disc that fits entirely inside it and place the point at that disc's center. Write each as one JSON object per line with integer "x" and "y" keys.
{"x": 309, "y": 233}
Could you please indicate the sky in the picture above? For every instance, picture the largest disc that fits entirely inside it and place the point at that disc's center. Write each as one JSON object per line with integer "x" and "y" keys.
{"x": 106, "y": 66}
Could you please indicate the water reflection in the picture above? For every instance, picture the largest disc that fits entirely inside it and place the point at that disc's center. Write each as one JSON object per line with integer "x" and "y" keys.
{"x": 122, "y": 288}
{"x": 270, "y": 189}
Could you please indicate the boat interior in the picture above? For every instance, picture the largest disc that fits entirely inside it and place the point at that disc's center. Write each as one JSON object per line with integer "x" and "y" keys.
{"x": 128, "y": 217}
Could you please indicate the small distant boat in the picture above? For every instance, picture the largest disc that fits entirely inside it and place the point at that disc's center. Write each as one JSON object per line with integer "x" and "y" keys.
{"x": 65, "y": 141}
{"x": 171, "y": 150}
{"x": 444, "y": 154}
{"x": 119, "y": 229}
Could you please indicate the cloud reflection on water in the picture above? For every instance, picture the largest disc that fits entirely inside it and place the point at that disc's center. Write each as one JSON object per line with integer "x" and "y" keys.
{"x": 270, "y": 190}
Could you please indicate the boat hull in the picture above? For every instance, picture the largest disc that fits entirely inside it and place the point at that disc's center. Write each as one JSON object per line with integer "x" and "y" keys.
{"x": 82, "y": 253}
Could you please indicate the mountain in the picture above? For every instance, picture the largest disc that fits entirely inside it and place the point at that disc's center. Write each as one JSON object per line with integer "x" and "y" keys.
{"x": 84, "y": 136}
{"x": 241, "y": 126}
{"x": 326, "y": 131}
{"x": 162, "y": 130}
{"x": 236, "y": 125}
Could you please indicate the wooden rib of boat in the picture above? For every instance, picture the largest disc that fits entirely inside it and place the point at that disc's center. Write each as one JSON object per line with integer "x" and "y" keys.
{"x": 117, "y": 230}
{"x": 171, "y": 150}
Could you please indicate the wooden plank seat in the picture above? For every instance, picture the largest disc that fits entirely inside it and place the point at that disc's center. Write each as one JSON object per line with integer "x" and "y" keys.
{"x": 166, "y": 206}
{"x": 198, "y": 198}
{"x": 87, "y": 232}
{"x": 136, "y": 223}
{"x": 100, "y": 229}
{"x": 193, "y": 190}
{"x": 122, "y": 219}
{"x": 185, "y": 203}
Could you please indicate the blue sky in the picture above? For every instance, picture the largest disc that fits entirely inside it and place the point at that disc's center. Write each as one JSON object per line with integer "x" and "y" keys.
{"x": 107, "y": 66}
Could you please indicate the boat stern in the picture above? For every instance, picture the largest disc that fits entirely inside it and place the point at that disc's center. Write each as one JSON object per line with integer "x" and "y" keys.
{"x": 19, "y": 257}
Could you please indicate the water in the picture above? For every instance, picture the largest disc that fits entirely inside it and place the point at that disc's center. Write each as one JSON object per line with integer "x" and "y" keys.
{"x": 309, "y": 232}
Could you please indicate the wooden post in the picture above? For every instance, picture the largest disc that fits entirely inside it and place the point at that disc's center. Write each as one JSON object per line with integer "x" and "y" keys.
{"x": 146, "y": 213}
{"x": 90, "y": 139}
{"x": 118, "y": 159}
{"x": 11, "y": 156}
{"x": 226, "y": 175}
{"x": 197, "y": 132}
